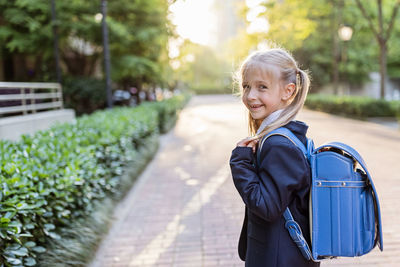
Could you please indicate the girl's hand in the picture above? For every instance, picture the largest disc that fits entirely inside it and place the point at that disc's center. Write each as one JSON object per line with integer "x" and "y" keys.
{"x": 249, "y": 142}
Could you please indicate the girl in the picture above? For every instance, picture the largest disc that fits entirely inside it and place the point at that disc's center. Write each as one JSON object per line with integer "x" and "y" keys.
{"x": 273, "y": 89}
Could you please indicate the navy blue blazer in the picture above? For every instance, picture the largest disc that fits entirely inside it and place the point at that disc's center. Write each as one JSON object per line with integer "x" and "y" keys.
{"x": 282, "y": 179}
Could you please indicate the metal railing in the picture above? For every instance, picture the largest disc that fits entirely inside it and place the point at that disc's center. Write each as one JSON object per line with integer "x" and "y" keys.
{"x": 22, "y": 98}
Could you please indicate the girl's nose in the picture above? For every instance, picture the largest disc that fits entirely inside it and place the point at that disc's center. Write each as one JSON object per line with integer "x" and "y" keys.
{"x": 252, "y": 94}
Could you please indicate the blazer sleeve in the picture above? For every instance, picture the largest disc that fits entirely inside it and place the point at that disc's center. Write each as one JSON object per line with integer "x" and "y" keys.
{"x": 282, "y": 171}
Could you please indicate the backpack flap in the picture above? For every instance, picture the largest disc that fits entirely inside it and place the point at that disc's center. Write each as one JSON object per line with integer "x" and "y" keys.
{"x": 357, "y": 157}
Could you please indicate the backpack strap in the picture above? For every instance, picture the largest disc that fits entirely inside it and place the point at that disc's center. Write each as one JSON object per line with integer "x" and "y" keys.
{"x": 291, "y": 225}
{"x": 289, "y": 135}
{"x": 297, "y": 236}
{"x": 356, "y": 156}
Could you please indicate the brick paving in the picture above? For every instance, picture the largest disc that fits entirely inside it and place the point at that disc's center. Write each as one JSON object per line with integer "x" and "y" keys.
{"x": 185, "y": 211}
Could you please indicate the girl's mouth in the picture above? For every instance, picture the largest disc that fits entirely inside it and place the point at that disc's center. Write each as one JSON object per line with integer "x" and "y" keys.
{"x": 255, "y": 106}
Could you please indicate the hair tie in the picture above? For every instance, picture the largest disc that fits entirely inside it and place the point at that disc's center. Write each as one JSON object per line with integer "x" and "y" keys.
{"x": 297, "y": 71}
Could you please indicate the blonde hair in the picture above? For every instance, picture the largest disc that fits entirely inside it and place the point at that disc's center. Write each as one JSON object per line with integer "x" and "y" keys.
{"x": 289, "y": 72}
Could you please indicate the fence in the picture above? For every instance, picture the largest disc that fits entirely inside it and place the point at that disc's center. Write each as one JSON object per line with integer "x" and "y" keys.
{"x": 22, "y": 98}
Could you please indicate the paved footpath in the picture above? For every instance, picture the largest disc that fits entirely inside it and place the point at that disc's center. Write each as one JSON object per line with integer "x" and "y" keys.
{"x": 185, "y": 211}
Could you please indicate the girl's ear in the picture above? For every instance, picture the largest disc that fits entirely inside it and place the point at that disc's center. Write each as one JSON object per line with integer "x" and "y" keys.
{"x": 288, "y": 91}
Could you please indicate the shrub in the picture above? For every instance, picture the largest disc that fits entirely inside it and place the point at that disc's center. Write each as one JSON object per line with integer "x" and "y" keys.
{"x": 168, "y": 111}
{"x": 396, "y": 106}
{"x": 53, "y": 179}
{"x": 360, "y": 107}
{"x": 84, "y": 94}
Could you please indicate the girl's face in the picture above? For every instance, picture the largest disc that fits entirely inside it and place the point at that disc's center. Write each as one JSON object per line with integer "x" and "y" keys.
{"x": 263, "y": 93}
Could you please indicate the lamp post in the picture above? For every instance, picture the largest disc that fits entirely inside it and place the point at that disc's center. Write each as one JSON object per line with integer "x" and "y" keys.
{"x": 345, "y": 33}
{"x": 106, "y": 53}
{"x": 55, "y": 43}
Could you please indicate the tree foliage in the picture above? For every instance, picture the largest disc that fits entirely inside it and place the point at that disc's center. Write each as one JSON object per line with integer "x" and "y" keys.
{"x": 382, "y": 34}
{"x": 138, "y": 36}
{"x": 308, "y": 28}
{"x": 140, "y": 31}
{"x": 200, "y": 67}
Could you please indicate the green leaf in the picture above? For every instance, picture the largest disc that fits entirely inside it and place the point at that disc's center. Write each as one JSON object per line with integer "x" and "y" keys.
{"x": 30, "y": 244}
{"x": 54, "y": 235}
{"x": 49, "y": 226}
{"x": 21, "y": 205}
{"x": 4, "y": 220}
{"x": 15, "y": 224}
{"x": 30, "y": 261}
{"x": 40, "y": 203}
{"x": 13, "y": 247}
{"x": 20, "y": 252}
{"x": 29, "y": 226}
{"x": 13, "y": 261}
{"x": 10, "y": 213}
{"x": 2, "y": 234}
{"x": 39, "y": 249}
{"x": 26, "y": 235}
{"x": 48, "y": 214}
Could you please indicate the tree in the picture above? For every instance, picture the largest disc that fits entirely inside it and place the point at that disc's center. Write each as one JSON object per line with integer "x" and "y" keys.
{"x": 25, "y": 38}
{"x": 382, "y": 36}
{"x": 309, "y": 29}
{"x": 139, "y": 32}
{"x": 199, "y": 67}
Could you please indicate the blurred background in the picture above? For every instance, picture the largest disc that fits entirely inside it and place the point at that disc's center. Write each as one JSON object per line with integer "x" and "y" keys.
{"x": 348, "y": 46}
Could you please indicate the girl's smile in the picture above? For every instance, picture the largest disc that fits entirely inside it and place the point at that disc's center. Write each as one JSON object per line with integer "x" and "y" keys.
{"x": 256, "y": 107}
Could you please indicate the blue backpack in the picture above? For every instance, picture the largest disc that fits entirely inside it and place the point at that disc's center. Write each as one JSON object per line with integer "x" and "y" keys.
{"x": 345, "y": 219}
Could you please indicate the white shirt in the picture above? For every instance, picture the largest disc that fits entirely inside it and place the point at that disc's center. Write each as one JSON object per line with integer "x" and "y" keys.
{"x": 268, "y": 120}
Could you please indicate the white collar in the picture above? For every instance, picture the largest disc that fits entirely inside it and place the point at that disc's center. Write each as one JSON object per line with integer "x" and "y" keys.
{"x": 268, "y": 120}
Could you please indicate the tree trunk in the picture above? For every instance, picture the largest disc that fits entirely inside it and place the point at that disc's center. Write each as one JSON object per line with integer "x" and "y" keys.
{"x": 1, "y": 65}
{"x": 382, "y": 49}
{"x": 382, "y": 66}
{"x": 335, "y": 49}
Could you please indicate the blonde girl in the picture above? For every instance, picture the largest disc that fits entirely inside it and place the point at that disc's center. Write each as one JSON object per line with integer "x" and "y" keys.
{"x": 273, "y": 89}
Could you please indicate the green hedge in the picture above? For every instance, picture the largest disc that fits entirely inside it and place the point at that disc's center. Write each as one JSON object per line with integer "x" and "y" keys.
{"x": 396, "y": 106}
{"x": 57, "y": 177}
{"x": 353, "y": 106}
{"x": 168, "y": 110}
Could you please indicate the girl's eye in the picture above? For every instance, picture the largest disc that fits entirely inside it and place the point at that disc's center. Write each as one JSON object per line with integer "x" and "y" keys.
{"x": 263, "y": 86}
{"x": 246, "y": 87}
